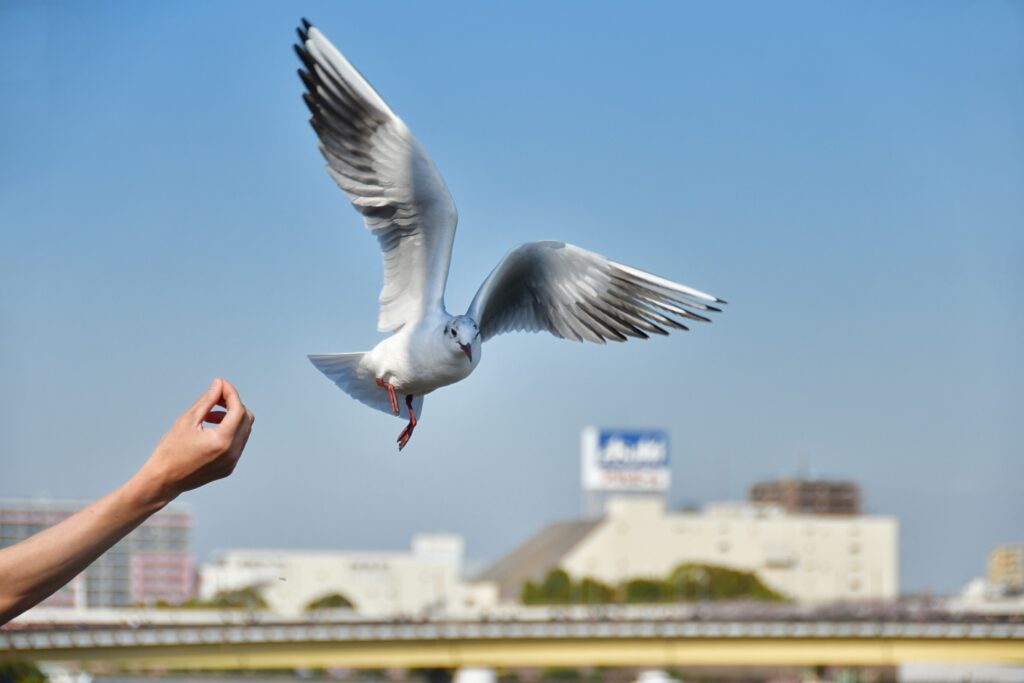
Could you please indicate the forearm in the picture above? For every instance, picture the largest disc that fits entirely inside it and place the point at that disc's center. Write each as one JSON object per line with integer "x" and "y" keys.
{"x": 188, "y": 456}
{"x": 40, "y": 565}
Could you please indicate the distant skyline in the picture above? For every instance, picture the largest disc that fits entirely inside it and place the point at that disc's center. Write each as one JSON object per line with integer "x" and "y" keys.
{"x": 847, "y": 175}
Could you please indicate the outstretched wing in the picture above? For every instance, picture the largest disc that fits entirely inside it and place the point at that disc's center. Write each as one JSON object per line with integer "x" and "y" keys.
{"x": 577, "y": 294}
{"x": 387, "y": 175}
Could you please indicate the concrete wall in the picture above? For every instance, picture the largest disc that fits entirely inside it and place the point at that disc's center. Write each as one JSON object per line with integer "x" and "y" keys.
{"x": 807, "y": 557}
{"x": 377, "y": 583}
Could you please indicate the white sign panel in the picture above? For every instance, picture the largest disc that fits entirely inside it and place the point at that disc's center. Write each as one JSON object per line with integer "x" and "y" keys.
{"x": 625, "y": 460}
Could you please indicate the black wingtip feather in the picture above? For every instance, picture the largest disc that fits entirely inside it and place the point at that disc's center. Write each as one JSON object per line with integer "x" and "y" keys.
{"x": 311, "y": 103}
{"x": 305, "y": 23}
{"x": 307, "y": 80}
{"x": 304, "y": 56}
{"x": 695, "y": 316}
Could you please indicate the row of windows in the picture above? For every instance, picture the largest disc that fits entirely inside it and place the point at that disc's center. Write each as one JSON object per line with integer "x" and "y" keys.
{"x": 106, "y": 584}
{"x": 681, "y": 528}
{"x": 98, "y": 598}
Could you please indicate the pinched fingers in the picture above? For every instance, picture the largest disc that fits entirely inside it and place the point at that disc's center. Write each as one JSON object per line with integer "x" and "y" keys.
{"x": 206, "y": 401}
{"x": 235, "y": 424}
{"x": 233, "y": 403}
{"x": 214, "y": 417}
{"x": 189, "y": 456}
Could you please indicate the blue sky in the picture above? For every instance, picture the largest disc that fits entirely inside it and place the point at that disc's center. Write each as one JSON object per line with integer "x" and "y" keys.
{"x": 847, "y": 175}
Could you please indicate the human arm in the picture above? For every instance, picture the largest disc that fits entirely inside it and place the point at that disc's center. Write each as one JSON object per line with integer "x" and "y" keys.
{"x": 188, "y": 456}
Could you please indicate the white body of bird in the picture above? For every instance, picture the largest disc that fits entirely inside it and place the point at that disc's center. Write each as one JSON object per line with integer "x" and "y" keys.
{"x": 415, "y": 361}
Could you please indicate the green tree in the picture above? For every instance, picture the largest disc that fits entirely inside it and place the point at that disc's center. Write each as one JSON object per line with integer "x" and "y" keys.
{"x": 329, "y": 601}
{"x": 240, "y": 598}
{"x": 531, "y": 594}
{"x": 644, "y": 590}
{"x": 698, "y": 581}
{"x": 20, "y": 671}
{"x": 593, "y": 592}
{"x": 561, "y": 673}
{"x": 557, "y": 587}
{"x": 687, "y": 582}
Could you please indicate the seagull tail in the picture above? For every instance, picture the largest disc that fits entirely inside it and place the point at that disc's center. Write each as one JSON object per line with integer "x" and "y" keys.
{"x": 348, "y": 371}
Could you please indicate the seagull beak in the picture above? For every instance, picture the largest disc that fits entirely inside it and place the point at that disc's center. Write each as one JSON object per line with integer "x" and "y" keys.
{"x": 468, "y": 350}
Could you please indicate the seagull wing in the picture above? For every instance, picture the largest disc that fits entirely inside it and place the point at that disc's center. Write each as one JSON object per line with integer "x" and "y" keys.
{"x": 577, "y": 294}
{"x": 388, "y": 176}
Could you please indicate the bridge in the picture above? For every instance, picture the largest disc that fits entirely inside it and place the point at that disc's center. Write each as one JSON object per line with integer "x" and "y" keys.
{"x": 547, "y": 643}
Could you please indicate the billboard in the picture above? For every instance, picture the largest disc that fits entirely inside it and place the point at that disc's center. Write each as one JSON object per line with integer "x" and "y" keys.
{"x": 625, "y": 460}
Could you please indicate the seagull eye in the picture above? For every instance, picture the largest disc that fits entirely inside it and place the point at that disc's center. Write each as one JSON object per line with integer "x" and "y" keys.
{"x": 453, "y": 332}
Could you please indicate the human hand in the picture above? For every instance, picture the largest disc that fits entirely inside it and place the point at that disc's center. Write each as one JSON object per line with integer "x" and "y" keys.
{"x": 190, "y": 454}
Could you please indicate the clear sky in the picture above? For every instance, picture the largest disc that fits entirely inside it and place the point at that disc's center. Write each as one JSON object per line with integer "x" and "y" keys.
{"x": 849, "y": 175}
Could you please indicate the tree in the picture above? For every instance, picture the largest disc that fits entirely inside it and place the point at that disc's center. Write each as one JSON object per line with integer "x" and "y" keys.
{"x": 557, "y": 587}
{"x": 645, "y": 590}
{"x": 241, "y": 598}
{"x": 20, "y": 671}
{"x": 249, "y": 598}
{"x": 329, "y": 601}
{"x": 709, "y": 582}
{"x": 593, "y": 592}
{"x": 687, "y": 582}
{"x": 531, "y": 594}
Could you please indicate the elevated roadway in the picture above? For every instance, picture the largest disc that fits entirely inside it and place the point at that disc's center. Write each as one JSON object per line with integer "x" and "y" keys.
{"x": 548, "y": 643}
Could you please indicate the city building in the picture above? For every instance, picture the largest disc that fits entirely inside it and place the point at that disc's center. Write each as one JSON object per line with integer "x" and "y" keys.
{"x": 1001, "y": 590}
{"x": 809, "y": 496}
{"x": 426, "y": 580}
{"x": 805, "y": 557}
{"x": 1006, "y": 568}
{"x": 152, "y": 563}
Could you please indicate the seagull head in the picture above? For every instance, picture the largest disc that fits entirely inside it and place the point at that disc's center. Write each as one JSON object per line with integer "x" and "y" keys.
{"x": 463, "y": 336}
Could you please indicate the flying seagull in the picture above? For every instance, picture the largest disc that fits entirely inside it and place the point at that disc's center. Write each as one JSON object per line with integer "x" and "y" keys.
{"x": 539, "y": 286}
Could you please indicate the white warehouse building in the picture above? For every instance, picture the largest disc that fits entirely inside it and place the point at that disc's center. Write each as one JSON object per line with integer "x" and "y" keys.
{"x": 806, "y": 557}
{"x": 386, "y": 584}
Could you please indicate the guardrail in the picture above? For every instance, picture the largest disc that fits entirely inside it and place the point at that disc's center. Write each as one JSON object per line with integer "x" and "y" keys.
{"x": 520, "y": 643}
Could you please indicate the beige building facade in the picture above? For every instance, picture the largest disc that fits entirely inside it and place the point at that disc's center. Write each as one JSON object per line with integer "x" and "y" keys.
{"x": 1006, "y": 567}
{"x": 806, "y": 557}
{"x": 383, "y": 584}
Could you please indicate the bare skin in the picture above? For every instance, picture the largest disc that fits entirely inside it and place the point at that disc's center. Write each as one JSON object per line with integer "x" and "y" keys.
{"x": 391, "y": 394}
{"x": 406, "y": 434}
{"x": 191, "y": 454}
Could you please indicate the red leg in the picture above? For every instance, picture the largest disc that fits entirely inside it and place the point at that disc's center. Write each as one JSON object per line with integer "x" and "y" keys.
{"x": 406, "y": 434}
{"x": 391, "y": 394}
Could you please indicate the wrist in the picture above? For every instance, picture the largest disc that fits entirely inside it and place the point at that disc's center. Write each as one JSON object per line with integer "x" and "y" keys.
{"x": 148, "y": 491}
